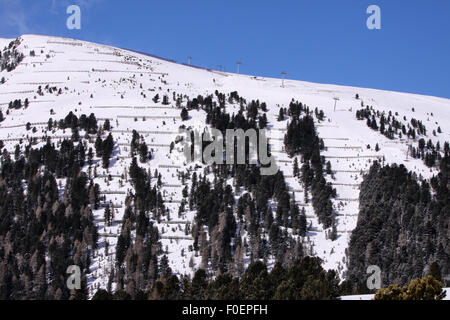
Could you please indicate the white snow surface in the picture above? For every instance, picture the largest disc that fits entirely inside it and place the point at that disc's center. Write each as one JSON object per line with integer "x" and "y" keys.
{"x": 114, "y": 78}
{"x": 371, "y": 296}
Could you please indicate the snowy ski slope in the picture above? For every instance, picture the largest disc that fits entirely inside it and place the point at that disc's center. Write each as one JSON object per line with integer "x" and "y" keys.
{"x": 112, "y": 82}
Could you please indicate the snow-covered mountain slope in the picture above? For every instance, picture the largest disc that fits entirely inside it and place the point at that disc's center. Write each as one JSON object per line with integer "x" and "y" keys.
{"x": 119, "y": 85}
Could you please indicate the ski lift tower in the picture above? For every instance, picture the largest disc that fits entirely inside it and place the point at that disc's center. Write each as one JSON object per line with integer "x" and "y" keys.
{"x": 238, "y": 66}
{"x": 189, "y": 60}
{"x": 336, "y": 99}
{"x": 283, "y": 74}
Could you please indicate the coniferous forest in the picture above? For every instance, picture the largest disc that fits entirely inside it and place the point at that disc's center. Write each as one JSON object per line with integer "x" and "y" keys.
{"x": 403, "y": 225}
{"x": 41, "y": 230}
{"x": 304, "y": 280}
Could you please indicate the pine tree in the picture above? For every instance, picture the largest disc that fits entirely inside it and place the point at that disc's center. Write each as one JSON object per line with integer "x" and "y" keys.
{"x": 296, "y": 169}
{"x": 143, "y": 152}
{"x": 184, "y": 114}
{"x": 382, "y": 129}
{"x": 107, "y": 125}
{"x": 107, "y": 148}
{"x": 164, "y": 270}
{"x": 99, "y": 146}
{"x": 107, "y": 215}
{"x": 328, "y": 167}
{"x": 281, "y": 115}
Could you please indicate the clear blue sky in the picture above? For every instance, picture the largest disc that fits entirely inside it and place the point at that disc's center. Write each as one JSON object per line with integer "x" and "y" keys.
{"x": 323, "y": 41}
